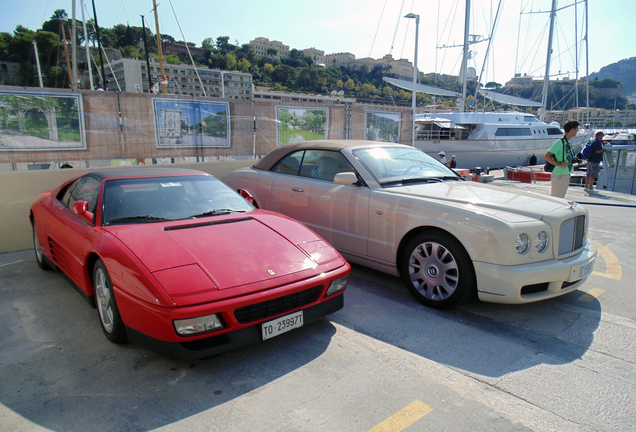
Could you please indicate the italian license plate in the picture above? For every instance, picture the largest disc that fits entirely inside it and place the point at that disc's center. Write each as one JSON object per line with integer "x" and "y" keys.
{"x": 282, "y": 325}
{"x": 585, "y": 270}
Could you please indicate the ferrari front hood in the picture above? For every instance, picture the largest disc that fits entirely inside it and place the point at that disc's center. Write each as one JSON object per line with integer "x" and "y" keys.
{"x": 231, "y": 252}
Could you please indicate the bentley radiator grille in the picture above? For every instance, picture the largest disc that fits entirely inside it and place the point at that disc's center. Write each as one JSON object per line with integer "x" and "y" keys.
{"x": 277, "y": 306}
{"x": 571, "y": 235}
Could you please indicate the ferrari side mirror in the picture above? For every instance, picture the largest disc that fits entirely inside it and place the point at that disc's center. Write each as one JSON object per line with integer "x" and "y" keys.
{"x": 80, "y": 208}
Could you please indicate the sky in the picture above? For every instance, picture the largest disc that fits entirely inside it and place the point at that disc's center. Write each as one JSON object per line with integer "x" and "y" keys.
{"x": 374, "y": 28}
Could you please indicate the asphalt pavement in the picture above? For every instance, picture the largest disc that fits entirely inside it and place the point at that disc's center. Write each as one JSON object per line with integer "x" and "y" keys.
{"x": 382, "y": 363}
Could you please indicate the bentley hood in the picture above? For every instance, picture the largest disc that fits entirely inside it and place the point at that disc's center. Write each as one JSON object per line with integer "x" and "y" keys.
{"x": 228, "y": 252}
{"x": 496, "y": 198}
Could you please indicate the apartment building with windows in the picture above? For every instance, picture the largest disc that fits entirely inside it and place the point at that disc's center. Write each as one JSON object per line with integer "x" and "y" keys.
{"x": 132, "y": 77}
{"x": 316, "y": 55}
{"x": 339, "y": 59}
{"x": 260, "y": 46}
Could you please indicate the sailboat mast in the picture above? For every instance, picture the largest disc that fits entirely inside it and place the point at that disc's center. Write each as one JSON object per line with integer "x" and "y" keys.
{"x": 74, "y": 47}
{"x": 462, "y": 101}
{"x": 37, "y": 62}
{"x": 587, "y": 71}
{"x": 88, "y": 50}
{"x": 163, "y": 85}
{"x": 546, "y": 78}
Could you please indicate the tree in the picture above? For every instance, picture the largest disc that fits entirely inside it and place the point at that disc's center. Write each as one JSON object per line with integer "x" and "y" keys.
{"x": 272, "y": 52}
{"x": 231, "y": 61}
{"x": 207, "y": 44}
{"x": 349, "y": 85}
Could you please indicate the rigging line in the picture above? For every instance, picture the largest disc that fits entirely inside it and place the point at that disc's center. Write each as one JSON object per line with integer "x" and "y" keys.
{"x": 378, "y": 28}
{"x": 396, "y": 27}
{"x": 490, "y": 38}
{"x": 188, "y": 49}
{"x": 109, "y": 65}
{"x": 406, "y": 32}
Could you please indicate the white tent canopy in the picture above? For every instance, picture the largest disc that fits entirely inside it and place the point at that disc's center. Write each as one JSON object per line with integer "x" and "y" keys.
{"x": 420, "y": 88}
{"x": 507, "y": 99}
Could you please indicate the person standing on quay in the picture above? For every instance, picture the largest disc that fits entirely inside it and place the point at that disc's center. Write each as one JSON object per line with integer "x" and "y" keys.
{"x": 560, "y": 155}
{"x": 594, "y": 162}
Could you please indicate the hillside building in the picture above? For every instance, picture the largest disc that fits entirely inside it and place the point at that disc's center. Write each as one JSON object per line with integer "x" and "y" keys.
{"x": 132, "y": 77}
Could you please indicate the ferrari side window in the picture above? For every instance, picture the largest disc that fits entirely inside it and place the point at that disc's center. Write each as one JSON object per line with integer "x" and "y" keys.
{"x": 86, "y": 189}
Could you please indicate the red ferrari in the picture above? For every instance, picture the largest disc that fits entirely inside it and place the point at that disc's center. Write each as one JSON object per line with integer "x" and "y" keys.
{"x": 176, "y": 261}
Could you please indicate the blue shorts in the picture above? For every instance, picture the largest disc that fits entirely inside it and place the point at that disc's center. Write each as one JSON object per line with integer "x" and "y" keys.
{"x": 593, "y": 169}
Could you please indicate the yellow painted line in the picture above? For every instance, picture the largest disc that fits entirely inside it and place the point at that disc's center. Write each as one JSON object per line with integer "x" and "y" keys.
{"x": 591, "y": 294}
{"x": 404, "y": 418}
{"x": 614, "y": 269}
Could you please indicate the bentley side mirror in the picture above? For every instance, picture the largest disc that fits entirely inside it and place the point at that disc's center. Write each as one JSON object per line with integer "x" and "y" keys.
{"x": 80, "y": 208}
{"x": 345, "y": 178}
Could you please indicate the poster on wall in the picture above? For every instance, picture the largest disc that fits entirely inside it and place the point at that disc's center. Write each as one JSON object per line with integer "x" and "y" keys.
{"x": 41, "y": 121}
{"x": 382, "y": 126}
{"x": 191, "y": 123}
{"x": 301, "y": 124}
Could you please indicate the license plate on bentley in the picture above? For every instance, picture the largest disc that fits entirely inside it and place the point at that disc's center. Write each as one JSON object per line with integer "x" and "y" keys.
{"x": 585, "y": 270}
{"x": 282, "y": 325}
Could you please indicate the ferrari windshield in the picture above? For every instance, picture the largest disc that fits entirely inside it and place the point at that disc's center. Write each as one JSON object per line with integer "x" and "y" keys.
{"x": 154, "y": 199}
{"x": 400, "y": 165}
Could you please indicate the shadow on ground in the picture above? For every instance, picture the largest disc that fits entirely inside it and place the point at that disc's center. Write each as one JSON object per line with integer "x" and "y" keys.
{"x": 486, "y": 339}
{"x": 59, "y": 371}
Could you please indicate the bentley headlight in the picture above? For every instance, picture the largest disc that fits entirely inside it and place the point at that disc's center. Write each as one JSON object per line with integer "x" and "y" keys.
{"x": 522, "y": 244}
{"x": 541, "y": 243}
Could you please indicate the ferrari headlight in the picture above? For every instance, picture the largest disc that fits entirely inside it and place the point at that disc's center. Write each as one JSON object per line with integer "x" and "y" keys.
{"x": 337, "y": 285}
{"x": 522, "y": 244}
{"x": 541, "y": 243}
{"x": 192, "y": 326}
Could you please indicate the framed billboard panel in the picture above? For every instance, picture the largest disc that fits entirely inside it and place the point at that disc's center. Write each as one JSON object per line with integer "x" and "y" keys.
{"x": 301, "y": 124}
{"x": 41, "y": 121}
{"x": 185, "y": 123}
{"x": 382, "y": 126}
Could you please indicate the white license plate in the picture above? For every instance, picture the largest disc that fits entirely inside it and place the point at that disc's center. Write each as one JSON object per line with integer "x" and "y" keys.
{"x": 585, "y": 270}
{"x": 282, "y": 325}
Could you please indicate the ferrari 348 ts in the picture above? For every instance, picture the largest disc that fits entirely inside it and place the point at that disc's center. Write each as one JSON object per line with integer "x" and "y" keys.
{"x": 176, "y": 261}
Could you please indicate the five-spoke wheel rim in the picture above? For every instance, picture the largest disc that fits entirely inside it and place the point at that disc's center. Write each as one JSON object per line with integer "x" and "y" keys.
{"x": 433, "y": 271}
{"x": 36, "y": 244}
{"x": 103, "y": 299}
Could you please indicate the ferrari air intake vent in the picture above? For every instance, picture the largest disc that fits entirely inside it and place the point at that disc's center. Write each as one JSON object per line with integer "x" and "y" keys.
{"x": 60, "y": 258}
{"x": 278, "y": 305}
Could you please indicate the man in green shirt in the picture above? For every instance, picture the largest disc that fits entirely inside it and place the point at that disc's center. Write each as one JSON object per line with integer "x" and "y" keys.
{"x": 560, "y": 155}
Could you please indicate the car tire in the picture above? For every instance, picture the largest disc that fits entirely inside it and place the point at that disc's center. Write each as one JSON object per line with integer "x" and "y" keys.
{"x": 39, "y": 256}
{"x": 107, "y": 310}
{"x": 437, "y": 270}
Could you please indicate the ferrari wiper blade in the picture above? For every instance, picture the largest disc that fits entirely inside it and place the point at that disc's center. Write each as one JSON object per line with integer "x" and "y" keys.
{"x": 144, "y": 218}
{"x": 217, "y": 212}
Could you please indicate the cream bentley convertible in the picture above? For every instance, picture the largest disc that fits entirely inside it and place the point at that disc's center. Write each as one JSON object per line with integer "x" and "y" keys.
{"x": 395, "y": 209}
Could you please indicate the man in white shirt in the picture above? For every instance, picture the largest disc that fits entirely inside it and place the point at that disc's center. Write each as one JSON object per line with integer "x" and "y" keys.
{"x": 442, "y": 158}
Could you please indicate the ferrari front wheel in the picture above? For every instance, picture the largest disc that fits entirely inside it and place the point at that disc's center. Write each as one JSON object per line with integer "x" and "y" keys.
{"x": 108, "y": 312}
{"x": 437, "y": 270}
{"x": 39, "y": 256}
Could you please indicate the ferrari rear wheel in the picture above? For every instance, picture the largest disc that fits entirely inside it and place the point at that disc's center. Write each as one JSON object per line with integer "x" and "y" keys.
{"x": 437, "y": 270}
{"x": 39, "y": 256}
{"x": 108, "y": 312}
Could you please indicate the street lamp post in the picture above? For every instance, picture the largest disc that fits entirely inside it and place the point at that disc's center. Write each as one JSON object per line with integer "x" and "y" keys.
{"x": 417, "y": 27}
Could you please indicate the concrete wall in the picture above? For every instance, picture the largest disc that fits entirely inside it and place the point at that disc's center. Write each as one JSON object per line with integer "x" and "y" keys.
{"x": 20, "y": 189}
